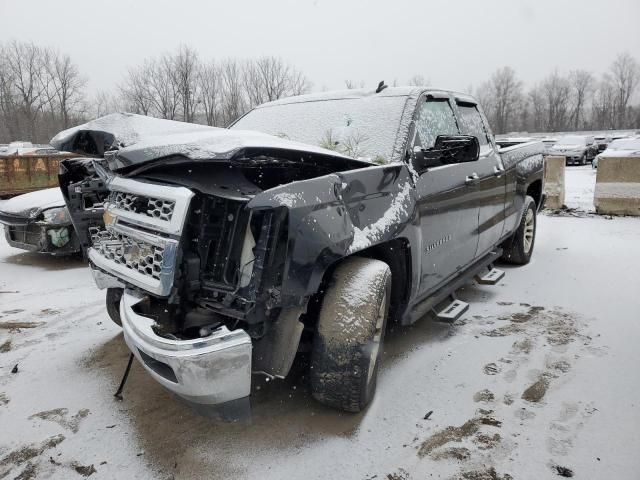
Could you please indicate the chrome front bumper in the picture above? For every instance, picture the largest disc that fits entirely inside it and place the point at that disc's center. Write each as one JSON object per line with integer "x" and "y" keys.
{"x": 211, "y": 370}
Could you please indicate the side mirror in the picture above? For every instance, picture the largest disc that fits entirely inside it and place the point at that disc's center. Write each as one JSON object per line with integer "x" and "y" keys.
{"x": 448, "y": 149}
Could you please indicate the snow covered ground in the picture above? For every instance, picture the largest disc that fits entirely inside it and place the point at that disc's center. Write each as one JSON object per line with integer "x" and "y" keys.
{"x": 540, "y": 373}
{"x": 580, "y": 185}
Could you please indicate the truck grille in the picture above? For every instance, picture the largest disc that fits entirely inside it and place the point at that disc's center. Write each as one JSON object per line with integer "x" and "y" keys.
{"x": 139, "y": 245}
{"x": 151, "y": 207}
{"x": 136, "y": 255}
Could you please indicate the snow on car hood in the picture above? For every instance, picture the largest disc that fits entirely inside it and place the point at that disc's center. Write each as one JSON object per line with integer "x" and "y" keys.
{"x": 136, "y": 139}
{"x": 34, "y": 201}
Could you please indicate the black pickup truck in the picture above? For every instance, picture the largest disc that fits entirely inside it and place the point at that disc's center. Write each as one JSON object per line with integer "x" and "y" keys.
{"x": 303, "y": 228}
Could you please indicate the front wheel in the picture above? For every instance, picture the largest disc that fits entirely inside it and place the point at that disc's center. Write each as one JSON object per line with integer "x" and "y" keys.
{"x": 583, "y": 159}
{"x": 519, "y": 248}
{"x": 348, "y": 342}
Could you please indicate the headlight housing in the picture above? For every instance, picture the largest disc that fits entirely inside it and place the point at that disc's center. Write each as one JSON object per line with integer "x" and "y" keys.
{"x": 57, "y": 216}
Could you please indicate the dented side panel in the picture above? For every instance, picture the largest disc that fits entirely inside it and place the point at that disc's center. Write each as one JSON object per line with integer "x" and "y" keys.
{"x": 338, "y": 215}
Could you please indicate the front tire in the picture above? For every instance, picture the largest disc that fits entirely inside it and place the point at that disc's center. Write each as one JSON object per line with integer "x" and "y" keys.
{"x": 348, "y": 343}
{"x": 583, "y": 159}
{"x": 519, "y": 248}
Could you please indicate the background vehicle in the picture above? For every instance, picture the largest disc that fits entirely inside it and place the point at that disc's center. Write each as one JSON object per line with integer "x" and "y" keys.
{"x": 506, "y": 142}
{"x": 577, "y": 149}
{"x": 625, "y": 147}
{"x": 39, "y": 222}
{"x": 602, "y": 141}
{"x": 226, "y": 252}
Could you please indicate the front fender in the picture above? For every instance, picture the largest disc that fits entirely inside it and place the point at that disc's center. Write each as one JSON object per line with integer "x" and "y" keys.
{"x": 337, "y": 215}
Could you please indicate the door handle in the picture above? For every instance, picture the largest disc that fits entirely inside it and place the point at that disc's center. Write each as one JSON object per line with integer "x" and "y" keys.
{"x": 498, "y": 171}
{"x": 471, "y": 179}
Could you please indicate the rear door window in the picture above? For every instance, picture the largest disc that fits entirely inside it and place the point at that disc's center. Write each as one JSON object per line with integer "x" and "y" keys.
{"x": 471, "y": 122}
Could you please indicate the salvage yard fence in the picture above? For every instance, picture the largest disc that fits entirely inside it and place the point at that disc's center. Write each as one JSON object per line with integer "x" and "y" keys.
{"x": 27, "y": 173}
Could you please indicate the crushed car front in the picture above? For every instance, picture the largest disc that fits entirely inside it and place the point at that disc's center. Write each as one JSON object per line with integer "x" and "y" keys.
{"x": 39, "y": 222}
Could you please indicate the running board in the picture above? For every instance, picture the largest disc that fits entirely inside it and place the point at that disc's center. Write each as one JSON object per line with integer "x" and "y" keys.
{"x": 453, "y": 311}
{"x": 491, "y": 278}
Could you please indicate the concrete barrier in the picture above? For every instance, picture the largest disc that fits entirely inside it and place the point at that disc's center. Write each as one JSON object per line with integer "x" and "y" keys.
{"x": 618, "y": 186}
{"x": 554, "y": 181}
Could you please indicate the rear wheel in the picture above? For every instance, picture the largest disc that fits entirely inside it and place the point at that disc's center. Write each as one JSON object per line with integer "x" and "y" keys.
{"x": 348, "y": 343}
{"x": 519, "y": 248}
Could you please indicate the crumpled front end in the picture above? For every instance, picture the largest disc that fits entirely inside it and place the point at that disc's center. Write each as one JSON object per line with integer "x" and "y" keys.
{"x": 34, "y": 234}
{"x": 213, "y": 369}
{"x": 140, "y": 249}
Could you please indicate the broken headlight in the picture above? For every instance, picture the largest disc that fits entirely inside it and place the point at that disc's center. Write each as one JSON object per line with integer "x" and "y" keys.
{"x": 57, "y": 216}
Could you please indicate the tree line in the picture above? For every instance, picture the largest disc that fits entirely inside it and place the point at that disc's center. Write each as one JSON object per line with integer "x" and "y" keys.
{"x": 42, "y": 91}
{"x": 578, "y": 100}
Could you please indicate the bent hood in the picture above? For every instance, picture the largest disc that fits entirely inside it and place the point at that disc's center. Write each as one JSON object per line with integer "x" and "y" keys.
{"x": 137, "y": 139}
{"x": 31, "y": 204}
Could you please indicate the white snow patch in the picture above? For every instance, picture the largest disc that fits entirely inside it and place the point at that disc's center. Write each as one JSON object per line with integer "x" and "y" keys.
{"x": 617, "y": 190}
{"x": 48, "y": 198}
{"x": 289, "y": 199}
{"x": 370, "y": 234}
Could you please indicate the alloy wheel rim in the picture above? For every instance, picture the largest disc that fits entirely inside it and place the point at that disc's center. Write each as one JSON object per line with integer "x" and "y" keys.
{"x": 377, "y": 337}
{"x": 529, "y": 227}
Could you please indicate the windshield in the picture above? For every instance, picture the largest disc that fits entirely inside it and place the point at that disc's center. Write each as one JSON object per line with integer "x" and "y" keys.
{"x": 572, "y": 141}
{"x": 362, "y": 127}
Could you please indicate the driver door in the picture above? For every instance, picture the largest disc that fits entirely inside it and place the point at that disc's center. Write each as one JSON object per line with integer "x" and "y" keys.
{"x": 447, "y": 205}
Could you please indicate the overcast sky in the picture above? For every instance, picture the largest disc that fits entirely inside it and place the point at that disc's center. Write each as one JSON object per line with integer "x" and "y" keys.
{"x": 333, "y": 40}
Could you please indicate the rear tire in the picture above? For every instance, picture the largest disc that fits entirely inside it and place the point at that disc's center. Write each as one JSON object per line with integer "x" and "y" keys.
{"x": 348, "y": 343}
{"x": 113, "y": 304}
{"x": 519, "y": 248}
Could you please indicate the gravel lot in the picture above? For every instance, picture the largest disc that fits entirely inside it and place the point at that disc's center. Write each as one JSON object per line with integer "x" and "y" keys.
{"x": 539, "y": 376}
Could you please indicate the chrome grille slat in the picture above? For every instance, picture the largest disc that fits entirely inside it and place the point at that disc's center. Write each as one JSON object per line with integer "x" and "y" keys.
{"x": 159, "y": 208}
{"x": 114, "y": 246}
{"x": 140, "y": 242}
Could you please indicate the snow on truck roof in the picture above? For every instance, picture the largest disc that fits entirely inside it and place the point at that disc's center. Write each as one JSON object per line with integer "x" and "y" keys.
{"x": 363, "y": 93}
{"x": 359, "y": 123}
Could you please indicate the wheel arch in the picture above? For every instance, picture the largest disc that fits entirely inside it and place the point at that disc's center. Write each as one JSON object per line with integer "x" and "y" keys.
{"x": 396, "y": 254}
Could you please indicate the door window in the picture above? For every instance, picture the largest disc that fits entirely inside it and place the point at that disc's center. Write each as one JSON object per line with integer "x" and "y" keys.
{"x": 435, "y": 118}
{"x": 471, "y": 123}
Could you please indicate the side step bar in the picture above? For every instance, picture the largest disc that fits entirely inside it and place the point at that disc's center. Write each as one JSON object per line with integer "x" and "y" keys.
{"x": 491, "y": 278}
{"x": 452, "y": 311}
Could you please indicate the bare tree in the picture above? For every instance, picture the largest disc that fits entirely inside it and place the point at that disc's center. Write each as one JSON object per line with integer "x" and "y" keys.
{"x": 185, "y": 67}
{"x": 270, "y": 78}
{"x": 104, "y": 103}
{"x": 351, "y": 84}
{"x": 210, "y": 83}
{"x": 24, "y": 86}
{"x": 418, "y": 80}
{"x": 537, "y": 108}
{"x": 502, "y": 96}
{"x": 233, "y": 95}
{"x": 556, "y": 90}
{"x": 135, "y": 92}
{"x": 603, "y": 105}
{"x": 625, "y": 74}
{"x": 581, "y": 85}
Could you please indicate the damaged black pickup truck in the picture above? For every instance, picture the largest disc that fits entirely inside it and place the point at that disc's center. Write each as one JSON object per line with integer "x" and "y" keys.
{"x": 226, "y": 252}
